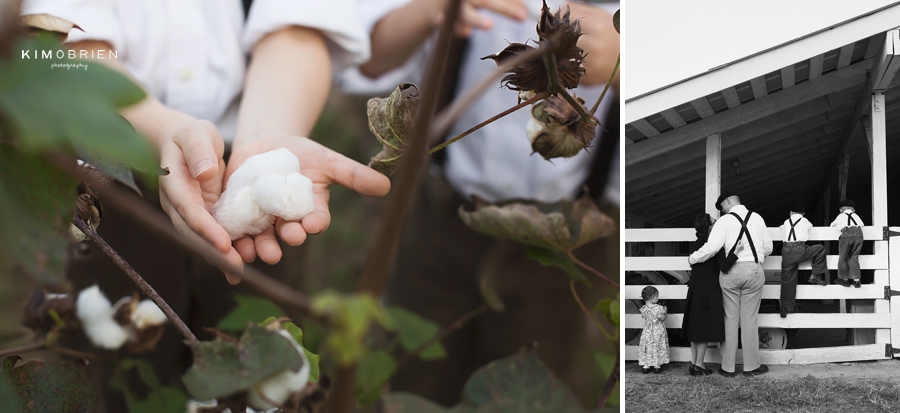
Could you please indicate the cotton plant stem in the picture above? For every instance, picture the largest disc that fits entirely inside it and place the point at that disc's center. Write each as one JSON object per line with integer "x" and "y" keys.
{"x": 605, "y": 88}
{"x": 490, "y": 120}
{"x": 41, "y": 344}
{"x": 137, "y": 279}
{"x": 34, "y": 345}
{"x": 588, "y": 313}
{"x": 591, "y": 269}
{"x": 447, "y": 117}
{"x": 450, "y": 329}
{"x": 609, "y": 386}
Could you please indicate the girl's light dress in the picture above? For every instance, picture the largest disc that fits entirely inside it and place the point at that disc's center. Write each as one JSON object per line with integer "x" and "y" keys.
{"x": 654, "y": 349}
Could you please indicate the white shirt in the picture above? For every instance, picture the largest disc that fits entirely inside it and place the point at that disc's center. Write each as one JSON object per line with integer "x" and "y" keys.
{"x": 801, "y": 228}
{"x": 725, "y": 232}
{"x": 841, "y": 221}
{"x": 192, "y": 54}
{"x": 496, "y": 162}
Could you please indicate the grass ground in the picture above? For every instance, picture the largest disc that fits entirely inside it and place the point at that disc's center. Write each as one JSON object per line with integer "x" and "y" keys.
{"x": 676, "y": 391}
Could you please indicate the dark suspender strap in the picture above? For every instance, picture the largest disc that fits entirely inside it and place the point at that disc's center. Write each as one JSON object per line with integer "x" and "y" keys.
{"x": 792, "y": 234}
{"x": 850, "y": 219}
{"x": 246, "y": 4}
{"x": 741, "y": 234}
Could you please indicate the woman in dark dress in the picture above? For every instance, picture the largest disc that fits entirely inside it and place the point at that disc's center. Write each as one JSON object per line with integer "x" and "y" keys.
{"x": 704, "y": 319}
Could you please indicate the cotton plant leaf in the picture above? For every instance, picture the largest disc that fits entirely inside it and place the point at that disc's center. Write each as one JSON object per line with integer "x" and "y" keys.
{"x": 49, "y": 23}
{"x": 391, "y": 119}
{"x": 517, "y": 384}
{"x": 375, "y": 369}
{"x": 37, "y": 201}
{"x": 414, "y": 331}
{"x": 49, "y": 386}
{"x": 250, "y": 308}
{"x": 550, "y": 258}
{"x": 351, "y": 316}
{"x": 562, "y": 226}
{"x": 224, "y": 367}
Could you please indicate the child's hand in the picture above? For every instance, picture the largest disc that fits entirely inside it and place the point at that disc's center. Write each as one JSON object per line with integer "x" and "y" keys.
{"x": 324, "y": 167}
{"x": 192, "y": 151}
{"x": 471, "y": 15}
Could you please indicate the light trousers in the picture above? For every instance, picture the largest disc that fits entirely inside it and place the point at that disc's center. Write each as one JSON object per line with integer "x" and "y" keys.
{"x": 741, "y": 295}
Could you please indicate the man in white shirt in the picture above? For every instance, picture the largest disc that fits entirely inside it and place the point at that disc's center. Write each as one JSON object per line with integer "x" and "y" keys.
{"x": 742, "y": 284}
{"x": 795, "y": 233}
{"x": 849, "y": 244}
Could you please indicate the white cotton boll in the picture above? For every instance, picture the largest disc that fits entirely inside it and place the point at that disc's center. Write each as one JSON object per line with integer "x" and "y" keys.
{"x": 279, "y": 386}
{"x": 95, "y": 312}
{"x": 147, "y": 313}
{"x": 533, "y": 128}
{"x": 278, "y": 162}
{"x": 237, "y": 212}
{"x": 289, "y": 197}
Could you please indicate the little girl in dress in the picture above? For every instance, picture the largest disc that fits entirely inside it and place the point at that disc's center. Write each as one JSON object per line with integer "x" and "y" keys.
{"x": 654, "y": 349}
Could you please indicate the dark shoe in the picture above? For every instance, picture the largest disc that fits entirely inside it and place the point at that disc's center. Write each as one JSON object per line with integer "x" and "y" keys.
{"x": 762, "y": 369}
{"x": 693, "y": 370}
{"x": 817, "y": 279}
{"x": 784, "y": 313}
{"x": 856, "y": 284}
{"x": 645, "y": 370}
{"x": 841, "y": 281}
{"x": 725, "y": 373}
{"x": 657, "y": 370}
{"x": 706, "y": 371}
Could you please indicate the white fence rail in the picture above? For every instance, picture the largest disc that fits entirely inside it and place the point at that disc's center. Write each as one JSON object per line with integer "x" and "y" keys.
{"x": 883, "y": 319}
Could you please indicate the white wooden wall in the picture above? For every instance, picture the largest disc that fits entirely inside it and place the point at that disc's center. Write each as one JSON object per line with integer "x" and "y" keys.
{"x": 885, "y": 319}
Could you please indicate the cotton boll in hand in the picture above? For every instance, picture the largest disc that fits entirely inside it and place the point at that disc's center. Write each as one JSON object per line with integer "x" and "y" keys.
{"x": 264, "y": 187}
{"x": 238, "y": 212}
{"x": 96, "y": 315}
{"x": 288, "y": 197}
{"x": 279, "y": 386}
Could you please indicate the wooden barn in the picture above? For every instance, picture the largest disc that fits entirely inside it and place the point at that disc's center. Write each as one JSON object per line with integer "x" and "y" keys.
{"x": 815, "y": 119}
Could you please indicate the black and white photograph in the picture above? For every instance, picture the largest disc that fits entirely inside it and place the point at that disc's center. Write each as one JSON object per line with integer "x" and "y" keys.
{"x": 761, "y": 263}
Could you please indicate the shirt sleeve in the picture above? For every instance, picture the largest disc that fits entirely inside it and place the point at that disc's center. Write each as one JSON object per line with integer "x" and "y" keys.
{"x": 835, "y": 222}
{"x": 859, "y": 220}
{"x": 337, "y": 20}
{"x": 713, "y": 244}
{"x": 97, "y": 18}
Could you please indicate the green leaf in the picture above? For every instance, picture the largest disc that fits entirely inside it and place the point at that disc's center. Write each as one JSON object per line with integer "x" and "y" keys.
{"x": 224, "y": 367}
{"x": 37, "y": 202}
{"x": 82, "y": 104}
{"x": 414, "y": 330}
{"x": 550, "y": 258}
{"x": 249, "y": 308}
{"x": 562, "y": 226}
{"x": 614, "y": 312}
{"x": 109, "y": 167}
{"x": 351, "y": 316}
{"x": 520, "y": 383}
{"x": 375, "y": 369}
{"x": 605, "y": 362}
{"x": 162, "y": 400}
{"x": 313, "y": 358}
{"x": 50, "y": 386}
{"x": 391, "y": 119}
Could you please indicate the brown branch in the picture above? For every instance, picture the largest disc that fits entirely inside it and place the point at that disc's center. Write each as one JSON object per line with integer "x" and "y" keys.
{"x": 490, "y": 120}
{"x": 137, "y": 279}
{"x": 591, "y": 269}
{"x": 34, "y": 345}
{"x": 447, "y": 117}
{"x": 605, "y": 88}
{"x": 588, "y": 313}
{"x": 609, "y": 386}
{"x": 80, "y": 354}
{"x": 456, "y": 325}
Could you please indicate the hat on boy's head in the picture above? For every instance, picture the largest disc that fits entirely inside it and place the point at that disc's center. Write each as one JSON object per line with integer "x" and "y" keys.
{"x": 847, "y": 203}
{"x": 799, "y": 208}
{"x": 725, "y": 195}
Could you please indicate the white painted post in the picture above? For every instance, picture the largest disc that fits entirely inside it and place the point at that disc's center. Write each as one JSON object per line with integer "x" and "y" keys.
{"x": 877, "y": 152}
{"x": 713, "y": 173}
{"x": 894, "y": 303}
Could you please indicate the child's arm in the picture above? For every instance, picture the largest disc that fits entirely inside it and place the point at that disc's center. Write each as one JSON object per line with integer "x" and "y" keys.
{"x": 192, "y": 150}
{"x": 286, "y": 87}
{"x": 664, "y": 314}
{"x": 400, "y": 33}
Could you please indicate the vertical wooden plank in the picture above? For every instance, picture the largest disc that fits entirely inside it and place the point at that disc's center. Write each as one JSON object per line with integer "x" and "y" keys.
{"x": 844, "y": 56}
{"x": 645, "y": 127}
{"x": 758, "y": 85}
{"x": 882, "y": 277}
{"x": 787, "y": 77}
{"x": 674, "y": 119}
{"x": 731, "y": 97}
{"x": 894, "y": 263}
{"x": 815, "y": 66}
{"x": 878, "y": 150}
{"x": 713, "y": 173}
{"x": 702, "y": 106}
{"x": 843, "y": 172}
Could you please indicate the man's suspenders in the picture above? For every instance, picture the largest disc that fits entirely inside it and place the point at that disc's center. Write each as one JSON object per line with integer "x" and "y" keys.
{"x": 741, "y": 234}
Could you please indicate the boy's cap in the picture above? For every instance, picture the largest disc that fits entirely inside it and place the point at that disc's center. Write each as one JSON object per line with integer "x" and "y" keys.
{"x": 725, "y": 195}
{"x": 847, "y": 203}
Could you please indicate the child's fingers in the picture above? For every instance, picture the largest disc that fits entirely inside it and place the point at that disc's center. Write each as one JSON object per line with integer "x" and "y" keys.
{"x": 202, "y": 147}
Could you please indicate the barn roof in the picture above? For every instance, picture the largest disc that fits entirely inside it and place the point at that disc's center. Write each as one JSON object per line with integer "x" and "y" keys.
{"x": 787, "y": 117}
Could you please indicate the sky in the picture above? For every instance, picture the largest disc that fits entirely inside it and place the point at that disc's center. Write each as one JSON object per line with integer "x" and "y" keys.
{"x": 664, "y": 41}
